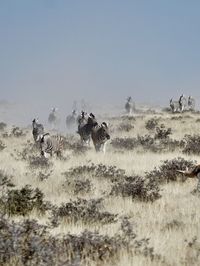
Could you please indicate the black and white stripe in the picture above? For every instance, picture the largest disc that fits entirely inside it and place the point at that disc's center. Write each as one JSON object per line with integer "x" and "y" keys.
{"x": 100, "y": 135}
{"x": 182, "y": 103}
{"x": 129, "y": 106}
{"x": 50, "y": 145}
{"x": 175, "y": 106}
{"x": 191, "y": 103}
{"x": 85, "y": 125}
{"x": 38, "y": 130}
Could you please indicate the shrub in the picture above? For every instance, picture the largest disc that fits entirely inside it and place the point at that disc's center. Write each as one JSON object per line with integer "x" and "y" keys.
{"x": 168, "y": 170}
{"x": 23, "y": 201}
{"x": 151, "y": 124}
{"x": 192, "y": 144}
{"x": 137, "y": 187}
{"x": 29, "y": 243}
{"x": 82, "y": 210}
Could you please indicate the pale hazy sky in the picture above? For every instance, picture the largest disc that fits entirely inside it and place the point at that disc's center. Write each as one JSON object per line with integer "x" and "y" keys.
{"x": 55, "y": 51}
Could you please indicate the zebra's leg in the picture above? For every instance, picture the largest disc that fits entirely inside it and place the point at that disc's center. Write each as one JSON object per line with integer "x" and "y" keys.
{"x": 198, "y": 184}
{"x": 104, "y": 147}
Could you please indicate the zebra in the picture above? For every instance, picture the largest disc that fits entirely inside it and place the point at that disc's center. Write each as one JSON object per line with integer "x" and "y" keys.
{"x": 71, "y": 119}
{"x": 129, "y": 106}
{"x": 191, "y": 103}
{"x": 50, "y": 145}
{"x": 183, "y": 103}
{"x": 82, "y": 118}
{"x": 175, "y": 106}
{"x": 53, "y": 118}
{"x": 100, "y": 136}
{"x": 195, "y": 172}
{"x": 38, "y": 130}
{"x": 85, "y": 128}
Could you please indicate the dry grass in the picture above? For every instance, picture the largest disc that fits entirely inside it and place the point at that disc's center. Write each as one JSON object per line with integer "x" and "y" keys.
{"x": 170, "y": 223}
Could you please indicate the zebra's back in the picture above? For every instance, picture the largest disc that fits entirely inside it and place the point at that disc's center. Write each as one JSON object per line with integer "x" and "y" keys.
{"x": 51, "y": 145}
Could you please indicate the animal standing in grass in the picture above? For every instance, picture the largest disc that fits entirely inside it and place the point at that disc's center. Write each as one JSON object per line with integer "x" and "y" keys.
{"x": 38, "y": 130}
{"x": 54, "y": 118}
{"x": 191, "y": 103}
{"x": 182, "y": 103}
{"x": 100, "y": 135}
{"x": 175, "y": 106}
{"x": 129, "y": 106}
{"x": 50, "y": 145}
{"x": 85, "y": 125}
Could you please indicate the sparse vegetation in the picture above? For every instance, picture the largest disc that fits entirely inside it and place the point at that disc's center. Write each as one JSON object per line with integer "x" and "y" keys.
{"x": 95, "y": 209}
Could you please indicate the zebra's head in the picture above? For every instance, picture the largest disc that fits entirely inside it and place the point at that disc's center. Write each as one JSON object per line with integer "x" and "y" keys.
{"x": 105, "y": 130}
{"x": 129, "y": 99}
{"x": 92, "y": 120}
{"x": 74, "y": 112}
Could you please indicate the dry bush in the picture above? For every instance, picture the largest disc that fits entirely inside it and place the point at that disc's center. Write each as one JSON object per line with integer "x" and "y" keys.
{"x": 44, "y": 175}
{"x": 17, "y": 132}
{"x": 173, "y": 225}
{"x": 177, "y": 117}
{"x": 2, "y": 145}
{"x": 124, "y": 143}
{"x": 151, "y": 124}
{"x": 192, "y": 144}
{"x": 125, "y": 126}
{"x": 22, "y": 201}
{"x": 78, "y": 185}
{"x": 137, "y": 187}
{"x": 99, "y": 170}
{"x": 36, "y": 162}
{"x": 168, "y": 170}
{"x": 127, "y": 118}
{"x": 159, "y": 143}
{"x": 87, "y": 211}
{"x": 71, "y": 143}
{"x": 34, "y": 245}
{"x": 162, "y": 132}
{"x": 28, "y": 151}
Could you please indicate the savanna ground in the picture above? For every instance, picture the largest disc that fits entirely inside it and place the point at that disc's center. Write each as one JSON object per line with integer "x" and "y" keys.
{"x": 127, "y": 207}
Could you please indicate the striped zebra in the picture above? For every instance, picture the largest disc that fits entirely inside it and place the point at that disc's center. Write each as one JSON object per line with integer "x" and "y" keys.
{"x": 85, "y": 127}
{"x": 38, "y": 130}
{"x": 100, "y": 136}
{"x": 191, "y": 103}
{"x": 82, "y": 118}
{"x": 50, "y": 145}
{"x": 175, "y": 106}
{"x": 53, "y": 118}
{"x": 71, "y": 119}
{"x": 129, "y": 106}
{"x": 183, "y": 103}
{"x": 195, "y": 172}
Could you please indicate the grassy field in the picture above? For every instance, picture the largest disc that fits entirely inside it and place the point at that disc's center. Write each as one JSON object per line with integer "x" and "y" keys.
{"x": 97, "y": 209}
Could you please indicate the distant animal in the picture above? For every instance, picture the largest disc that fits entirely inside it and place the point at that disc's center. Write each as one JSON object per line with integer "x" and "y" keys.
{"x": 182, "y": 103}
{"x": 175, "y": 106}
{"x": 194, "y": 172}
{"x": 129, "y": 106}
{"x": 82, "y": 119}
{"x": 50, "y": 145}
{"x": 85, "y": 128}
{"x": 71, "y": 119}
{"x": 53, "y": 118}
{"x": 191, "y": 103}
{"x": 38, "y": 130}
{"x": 100, "y": 135}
